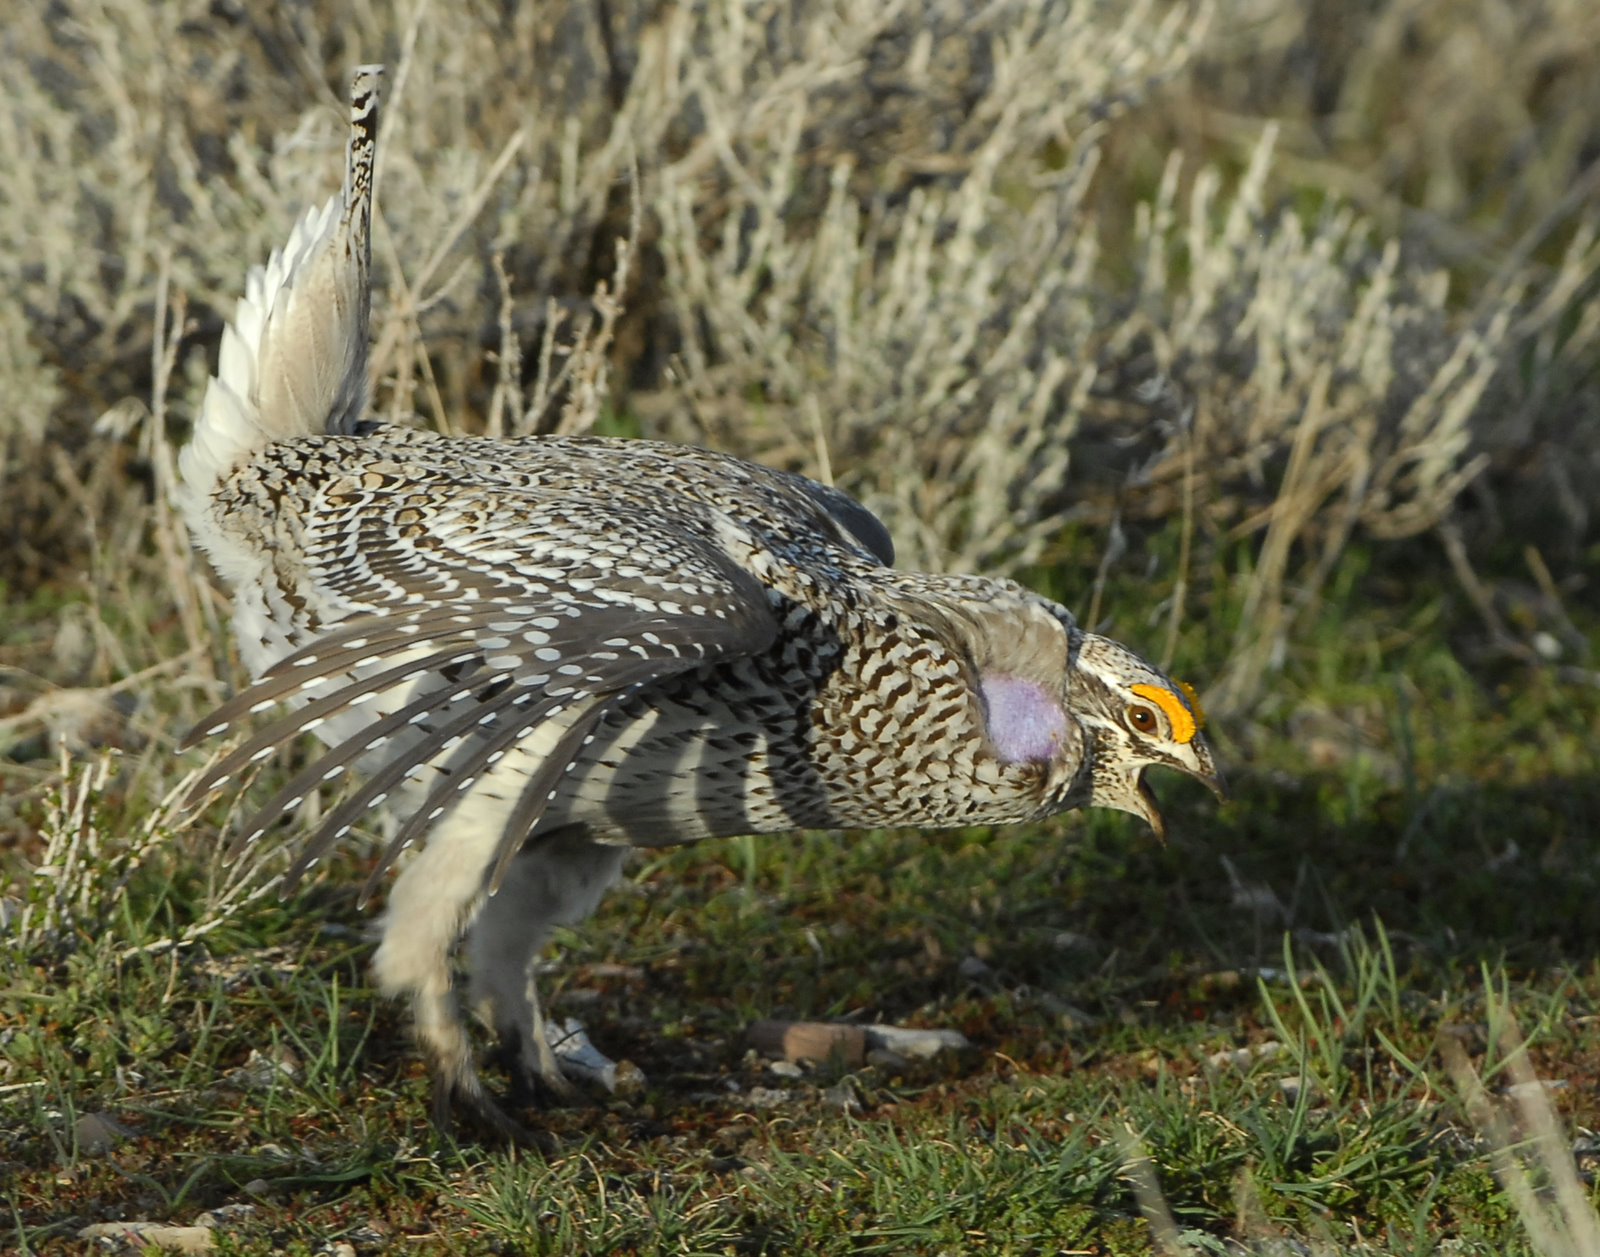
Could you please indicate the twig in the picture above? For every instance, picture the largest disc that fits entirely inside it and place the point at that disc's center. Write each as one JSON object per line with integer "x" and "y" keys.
{"x": 1116, "y": 545}
{"x": 1566, "y": 1228}
{"x": 1139, "y": 1171}
{"x": 1186, "y": 537}
{"x": 469, "y": 211}
{"x": 1482, "y": 601}
{"x": 589, "y": 355}
{"x": 508, "y": 378}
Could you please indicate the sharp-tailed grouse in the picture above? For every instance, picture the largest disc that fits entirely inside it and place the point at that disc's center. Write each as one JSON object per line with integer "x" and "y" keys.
{"x": 542, "y": 653}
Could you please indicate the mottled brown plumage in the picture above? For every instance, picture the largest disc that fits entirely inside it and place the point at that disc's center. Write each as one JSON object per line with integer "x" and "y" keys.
{"x": 542, "y": 653}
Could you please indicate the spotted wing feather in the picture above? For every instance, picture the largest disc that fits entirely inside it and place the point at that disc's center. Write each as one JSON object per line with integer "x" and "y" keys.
{"x": 545, "y": 624}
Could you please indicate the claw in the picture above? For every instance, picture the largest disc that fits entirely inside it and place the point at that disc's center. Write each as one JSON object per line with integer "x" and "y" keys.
{"x": 472, "y": 1101}
{"x": 530, "y": 1086}
{"x": 458, "y": 1092}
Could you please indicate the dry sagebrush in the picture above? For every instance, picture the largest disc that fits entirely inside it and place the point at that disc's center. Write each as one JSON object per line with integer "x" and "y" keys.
{"x": 902, "y": 245}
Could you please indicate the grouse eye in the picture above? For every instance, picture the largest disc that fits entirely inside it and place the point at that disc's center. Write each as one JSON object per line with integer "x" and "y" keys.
{"x": 1142, "y": 718}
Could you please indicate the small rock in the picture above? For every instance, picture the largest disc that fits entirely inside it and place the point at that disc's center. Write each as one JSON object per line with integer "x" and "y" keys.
{"x": 1242, "y": 1058}
{"x": 136, "y": 1237}
{"x": 1070, "y": 1016}
{"x": 1289, "y": 1089}
{"x": 630, "y": 973}
{"x": 785, "y": 1069}
{"x": 259, "y": 1071}
{"x": 96, "y": 1133}
{"x": 1074, "y": 1018}
{"x": 1586, "y": 1156}
{"x": 767, "y": 1097}
{"x": 365, "y": 1236}
{"x": 629, "y": 1079}
{"x": 222, "y": 1215}
{"x": 841, "y": 1096}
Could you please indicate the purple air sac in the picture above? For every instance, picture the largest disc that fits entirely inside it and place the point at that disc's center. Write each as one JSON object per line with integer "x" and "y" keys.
{"x": 1025, "y": 720}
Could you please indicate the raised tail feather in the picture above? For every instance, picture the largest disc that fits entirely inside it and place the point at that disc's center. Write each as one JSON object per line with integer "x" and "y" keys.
{"x": 294, "y": 359}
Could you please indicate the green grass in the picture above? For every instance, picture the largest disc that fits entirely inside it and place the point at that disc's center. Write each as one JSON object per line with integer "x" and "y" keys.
{"x": 1416, "y": 861}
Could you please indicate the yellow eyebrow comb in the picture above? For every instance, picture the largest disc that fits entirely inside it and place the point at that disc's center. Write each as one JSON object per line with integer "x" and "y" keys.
{"x": 1185, "y": 724}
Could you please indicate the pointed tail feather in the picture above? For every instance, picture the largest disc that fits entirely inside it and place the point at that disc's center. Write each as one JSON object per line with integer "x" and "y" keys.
{"x": 294, "y": 360}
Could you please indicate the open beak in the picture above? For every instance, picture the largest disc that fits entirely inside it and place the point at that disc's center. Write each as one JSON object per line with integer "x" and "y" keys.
{"x": 1203, "y": 769}
{"x": 1148, "y": 808}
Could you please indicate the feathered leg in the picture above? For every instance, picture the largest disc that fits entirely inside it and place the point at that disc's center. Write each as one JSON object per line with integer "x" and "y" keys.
{"x": 432, "y": 902}
{"x": 557, "y": 879}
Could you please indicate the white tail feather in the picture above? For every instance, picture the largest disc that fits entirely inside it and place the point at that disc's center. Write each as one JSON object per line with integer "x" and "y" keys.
{"x": 294, "y": 360}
